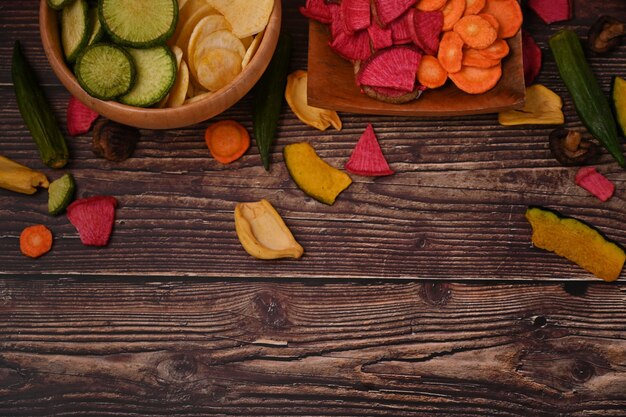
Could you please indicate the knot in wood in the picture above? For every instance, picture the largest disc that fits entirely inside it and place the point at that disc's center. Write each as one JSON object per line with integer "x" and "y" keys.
{"x": 177, "y": 368}
{"x": 435, "y": 293}
{"x": 270, "y": 310}
{"x": 582, "y": 371}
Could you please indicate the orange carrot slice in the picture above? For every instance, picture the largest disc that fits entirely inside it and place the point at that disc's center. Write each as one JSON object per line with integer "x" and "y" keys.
{"x": 473, "y": 6}
{"x": 450, "y": 53}
{"x": 35, "y": 241}
{"x": 509, "y": 16}
{"x": 473, "y": 58}
{"x": 492, "y": 20}
{"x": 227, "y": 140}
{"x": 430, "y": 72}
{"x": 474, "y": 80}
{"x": 475, "y": 31}
{"x": 430, "y": 5}
{"x": 497, "y": 50}
{"x": 452, "y": 12}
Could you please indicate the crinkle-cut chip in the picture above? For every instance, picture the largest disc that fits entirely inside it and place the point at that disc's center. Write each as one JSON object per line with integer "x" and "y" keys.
{"x": 178, "y": 93}
{"x": 205, "y": 27}
{"x": 217, "y": 67}
{"x": 426, "y": 31}
{"x": 352, "y": 47}
{"x": 182, "y": 40}
{"x": 367, "y": 158}
{"x": 254, "y": 46}
{"x": 188, "y": 16}
{"x": 389, "y": 10}
{"x": 394, "y": 67}
{"x": 198, "y": 97}
{"x": 221, "y": 39}
{"x": 381, "y": 37}
{"x": 246, "y": 17}
{"x": 356, "y": 14}
{"x": 401, "y": 28}
{"x": 317, "y": 10}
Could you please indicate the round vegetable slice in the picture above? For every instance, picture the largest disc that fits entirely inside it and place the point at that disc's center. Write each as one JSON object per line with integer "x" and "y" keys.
{"x": 105, "y": 71}
{"x": 156, "y": 73}
{"x": 217, "y": 67}
{"x": 227, "y": 140}
{"x": 75, "y": 29}
{"x": 35, "y": 241}
{"x": 139, "y": 23}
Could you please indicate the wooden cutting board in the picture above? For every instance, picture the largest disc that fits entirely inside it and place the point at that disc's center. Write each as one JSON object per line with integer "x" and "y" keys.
{"x": 331, "y": 85}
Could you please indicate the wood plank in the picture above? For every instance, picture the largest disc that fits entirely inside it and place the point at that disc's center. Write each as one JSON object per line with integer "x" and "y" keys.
{"x": 453, "y": 210}
{"x": 89, "y": 346}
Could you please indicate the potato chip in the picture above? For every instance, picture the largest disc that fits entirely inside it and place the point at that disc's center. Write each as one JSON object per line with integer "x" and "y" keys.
{"x": 205, "y": 27}
{"x": 178, "y": 92}
{"x": 246, "y": 17}
{"x": 217, "y": 67}
{"x": 221, "y": 39}
{"x": 254, "y": 46}
{"x": 186, "y": 33}
{"x": 247, "y": 41}
{"x": 184, "y": 14}
{"x": 198, "y": 97}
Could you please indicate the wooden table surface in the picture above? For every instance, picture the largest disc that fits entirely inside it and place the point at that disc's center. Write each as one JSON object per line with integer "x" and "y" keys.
{"x": 460, "y": 316}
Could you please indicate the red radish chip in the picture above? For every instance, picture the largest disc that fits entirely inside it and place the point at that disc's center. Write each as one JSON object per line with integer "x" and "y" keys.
{"x": 394, "y": 68}
{"x": 389, "y": 10}
{"x": 402, "y": 27}
{"x": 594, "y": 182}
{"x": 317, "y": 10}
{"x": 354, "y": 47}
{"x": 426, "y": 31}
{"x": 93, "y": 219}
{"x": 531, "y": 55}
{"x": 337, "y": 26}
{"x": 367, "y": 158}
{"x": 356, "y": 14}
{"x": 381, "y": 37}
{"x": 80, "y": 118}
{"x": 551, "y": 11}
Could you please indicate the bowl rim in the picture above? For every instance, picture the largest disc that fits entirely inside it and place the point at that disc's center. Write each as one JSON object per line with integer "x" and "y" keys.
{"x": 160, "y": 118}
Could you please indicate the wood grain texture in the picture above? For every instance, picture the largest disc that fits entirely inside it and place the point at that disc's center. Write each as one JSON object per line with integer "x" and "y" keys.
{"x": 90, "y": 346}
{"x": 453, "y": 210}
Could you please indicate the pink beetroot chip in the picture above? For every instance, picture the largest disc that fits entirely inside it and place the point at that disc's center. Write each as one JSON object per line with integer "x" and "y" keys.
{"x": 551, "y": 11}
{"x": 426, "y": 30}
{"x": 93, "y": 219}
{"x": 394, "y": 68}
{"x": 367, "y": 158}
{"x": 594, "y": 182}
{"x": 389, "y": 10}
{"x": 355, "y": 47}
{"x": 356, "y": 14}
{"x": 402, "y": 28}
{"x": 531, "y": 55}
{"x": 80, "y": 118}
{"x": 380, "y": 37}
{"x": 317, "y": 10}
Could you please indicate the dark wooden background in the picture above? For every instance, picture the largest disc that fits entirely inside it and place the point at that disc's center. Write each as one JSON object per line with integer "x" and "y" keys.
{"x": 461, "y": 316}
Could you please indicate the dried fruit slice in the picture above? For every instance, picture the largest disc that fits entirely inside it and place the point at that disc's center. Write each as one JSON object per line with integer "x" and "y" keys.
{"x": 217, "y": 67}
{"x": 594, "y": 182}
{"x": 93, "y": 219}
{"x": 392, "y": 68}
{"x": 426, "y": 30}
{"x": 296, "y": 96}
{"x": 246, "y": 17}
{"x": 531, "y": 55}
{"x": 576, "y": 241}
{"x": 551, "y": 11}
{"x": 367, "y": 158}
{"x": 356, "y": 14}
{"x": 389, "y": 10}
{"x": 313, "y": 175}
{"x": 263, "y": 233}
{"x": 80, "y": 118}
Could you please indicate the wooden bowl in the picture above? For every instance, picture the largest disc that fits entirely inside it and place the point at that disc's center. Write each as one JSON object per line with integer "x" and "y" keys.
{"x": 168, "y": 118}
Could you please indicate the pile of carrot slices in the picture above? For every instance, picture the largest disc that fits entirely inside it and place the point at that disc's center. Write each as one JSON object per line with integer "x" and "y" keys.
{"x": 473, "y": 43}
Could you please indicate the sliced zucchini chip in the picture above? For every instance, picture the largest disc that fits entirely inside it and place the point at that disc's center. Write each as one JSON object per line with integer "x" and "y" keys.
{"x": 105, "y": 71}
{"x": 156, "y": 73}
{"x": 139, "y": 23}
{"x": 75, "y": 28}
